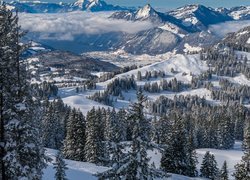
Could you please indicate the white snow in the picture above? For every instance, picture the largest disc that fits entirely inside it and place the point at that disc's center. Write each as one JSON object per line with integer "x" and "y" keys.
{"x": 144, "y": 12}
{"x": 240, "y": 79}
{"x": 231, "y": 156}
{"x": 80, "y": 100}
{"x": 122, "y": 58}
{"x": 189, "y": 48}
{"x": 76, "y": 170}
{"x": 180, "y": 63}
{"x": 83, "y": 170}
{"x": 248, "y": 41}
{"x": 239, "y": 13}
{"x": 172, "y": 28}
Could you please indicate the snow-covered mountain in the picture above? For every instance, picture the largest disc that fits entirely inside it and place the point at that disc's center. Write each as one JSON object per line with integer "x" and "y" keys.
{"x": 196, "y": 41}
{"x": 38, "y": 7}
{"x": 198, "y": 17}
{"x": 46, "y": 7}
{"x": 94, "y": 5}
{"x": 153, "y": 41}
{"x": 237, "y": 13}
{"x": 239, "y": 40}
{"x": 147, "y": 13}
{"x": 240, "y": 13}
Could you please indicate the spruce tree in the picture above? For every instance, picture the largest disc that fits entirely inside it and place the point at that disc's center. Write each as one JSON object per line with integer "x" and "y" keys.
{"x": 60, "y": 167}
{"x": 179, "y": 156}
{"x": 209, "y": 167}
{"x": 225, "y": 132}
{"x": 224, "y": 172}
{"x": 94, "y": 145}
{"x": 243, "y": 168}
{"x": 74, "y": 142}
{"x": 135, "y": 164}
{"x": 22, "y": 154}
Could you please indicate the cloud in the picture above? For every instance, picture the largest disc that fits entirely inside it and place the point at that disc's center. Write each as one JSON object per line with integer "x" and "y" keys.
{"x": 232, "y": 26}
{"x": 65, "y": 26}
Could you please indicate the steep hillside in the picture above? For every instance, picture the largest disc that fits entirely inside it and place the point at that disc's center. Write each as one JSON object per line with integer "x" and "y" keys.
{"x": 198, "y": 17}
{"x": 239, "y": 40}
{"x": 147, "y": 13}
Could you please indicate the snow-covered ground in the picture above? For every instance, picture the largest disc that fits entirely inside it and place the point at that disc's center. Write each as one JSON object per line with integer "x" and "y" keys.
{"x": 86, "y": 171}
{"x": 188, "y": 64}
{"x": 122, "y": 58}
{"x": 76, "y": 170}
{"x": 180, "y": 63}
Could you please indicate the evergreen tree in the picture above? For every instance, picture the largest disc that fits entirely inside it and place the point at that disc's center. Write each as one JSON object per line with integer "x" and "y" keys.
{"x": 60, "y": 167}
{"x": 179, "y": 156}
{"x": 225, "y": 133}
{"x": 243, "y": 168}
{"x": 22, "y": 154}
{"x": 224, "y": 172}
{"x": 94, "y": 146}
{"x": 74, "y": 142}
{"x": 49, "y": 126}
{"x": 209, "y": 167}
{"x": 134, "y": 165}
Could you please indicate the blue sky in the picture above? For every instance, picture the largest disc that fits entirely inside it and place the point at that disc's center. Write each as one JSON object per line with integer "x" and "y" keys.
{"x": 169, "y": 4}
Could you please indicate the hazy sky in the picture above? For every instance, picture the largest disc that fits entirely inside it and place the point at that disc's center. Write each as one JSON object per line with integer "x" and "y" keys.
{"x": 169, "y": 4}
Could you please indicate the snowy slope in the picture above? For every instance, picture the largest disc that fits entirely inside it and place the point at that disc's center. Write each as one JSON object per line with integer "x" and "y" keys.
{"x": 86, "y": 171}
{"x": 148, "y": 13}
{"x": 232, "y": 157}
{"x": 180, "y": 63}
{"x": 76, "y": 170}
{"x": 240, "y": 13}
{"x": 94, "y": 5}
{"x": 198, "y": 17}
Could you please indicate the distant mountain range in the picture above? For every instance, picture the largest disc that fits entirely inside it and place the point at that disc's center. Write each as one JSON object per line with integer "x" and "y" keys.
{"x": 237, "y": 13}
{"x": 180, "y": 30}
{"x": 80, "y": 5}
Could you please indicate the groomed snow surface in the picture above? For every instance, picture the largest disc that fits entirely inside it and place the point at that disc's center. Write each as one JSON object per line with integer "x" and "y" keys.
{"x": 86, "y": 171}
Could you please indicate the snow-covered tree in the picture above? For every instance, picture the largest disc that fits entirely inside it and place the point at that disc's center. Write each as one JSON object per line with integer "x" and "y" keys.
{"x": 134, "y": 165}
{"x": 60, "y": 167}
{"x": 22, "y": 154}
{"x": 74, "y": 142}
{"x": 226, "y": 133}
{"x": 94, "y": 148}
{"x": 209, "y": 167}
{"x": 179, "y": 155}
{"x": 224, "y": 172}
{"x": 243, "y": 168}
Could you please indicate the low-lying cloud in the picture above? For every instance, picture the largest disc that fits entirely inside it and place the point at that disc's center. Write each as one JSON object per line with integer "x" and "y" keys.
{"x": 65, "y": 26}
{"x": 224, "y": 28}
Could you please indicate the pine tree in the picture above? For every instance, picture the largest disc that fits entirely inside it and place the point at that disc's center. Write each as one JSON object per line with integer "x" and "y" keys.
{"x": 224, "y": 172}
{"x": 209, "y": 167}
{"x": 60, "y": 167}
{"x": 22, "y": 154}
{"x": 243, "y": 168}
{"x": 74, "y": 142}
